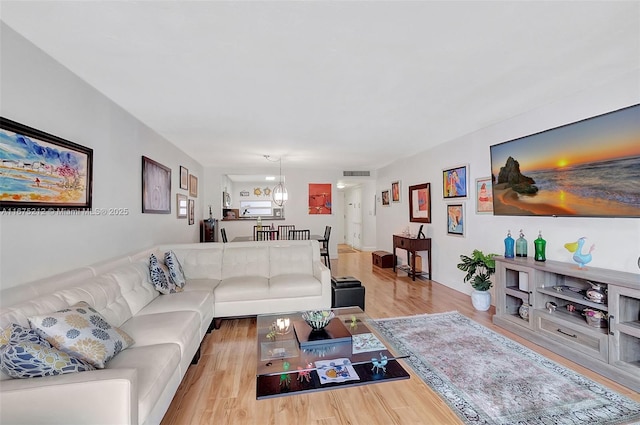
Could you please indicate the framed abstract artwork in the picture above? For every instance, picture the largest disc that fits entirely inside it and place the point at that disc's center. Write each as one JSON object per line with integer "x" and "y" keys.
{"x": 184, "y": 178}
{"x": 192, "y": 211}
{"x": 41, "y": 171}
{"x": 420, "y": 203}
{"x": 319, "y": 198}
{"x": 181, "y": 205}
{"x": 156, "y": 187}
{"x": 484, "y": 196}
{"x": 454, "y": 182}
{"x": 385, "y": 198}
{"x": 193, "y": 186}
{"x": 455, "y": 219}
{"x": 395, "y": 191}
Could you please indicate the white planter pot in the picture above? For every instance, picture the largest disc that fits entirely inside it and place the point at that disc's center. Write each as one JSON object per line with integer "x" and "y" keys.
{"x": 481, "y": 300}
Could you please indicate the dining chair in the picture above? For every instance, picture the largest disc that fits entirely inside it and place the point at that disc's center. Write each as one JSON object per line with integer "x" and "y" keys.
{"x": 283, "y": 230}
{"x": 324, "y": 249}
{"x": 266, "y": 235}
{"x": 297, "y": 235}
{"x": 223, "y": 233}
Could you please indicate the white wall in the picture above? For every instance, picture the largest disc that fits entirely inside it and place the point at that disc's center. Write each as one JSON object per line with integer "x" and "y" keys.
{"x": 617, "y": 240}
{"x": 40, "y": 93}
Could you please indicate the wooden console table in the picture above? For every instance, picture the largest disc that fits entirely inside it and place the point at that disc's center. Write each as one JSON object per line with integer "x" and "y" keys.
{"x": 412, "y": 245}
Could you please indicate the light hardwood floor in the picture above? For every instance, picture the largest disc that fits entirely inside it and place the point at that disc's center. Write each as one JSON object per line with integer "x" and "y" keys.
{"x": 220, "y": 389}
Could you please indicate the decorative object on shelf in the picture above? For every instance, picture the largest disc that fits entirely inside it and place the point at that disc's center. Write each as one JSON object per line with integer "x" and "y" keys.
{"x": 282, "y": 325}
{"x": 267, "y": 191}
{"x": 318, "y": 319}
{"x": 595, "y": 318}
{"x": 42, "y": 171}
{"x": 420, "y": 203}
{"x": 305, "y": 375}
{"x": 244, "y": 193}
{"x": 523, "y": 311}
{"x": 539, "y": 247}
{"x": 509, "y": 244}
{"x": 576, "y": 249}
{"x": 379, "y": 364}
{"x": 257, "y": 191}
{"x": 597, "y": 293}
{"x": 285, "y": 378}
{"x": 571, "y": 308}
{"x": 479, "y": 268}
{"x": 551, "y": 306}
{"x": 521, "y": 246}
{"x": 523, "y": 281}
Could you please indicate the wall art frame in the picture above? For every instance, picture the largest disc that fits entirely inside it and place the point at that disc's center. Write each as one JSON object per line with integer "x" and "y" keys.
{"x": 455, "y": 182}
{"x": 182, "y": 205}
{"x": 395, "y": 191}
{"x": 320, "y": 198}
{"x": 193, "y": 186}
{"x": 192, "y": 211}
{"x": 42, "y": 171}
{"x": 420, "y": 203}
{"x": 385, "y": 198}
{"x": 156, "y": 187}
{"x": 184, "y": 178}
{"x": 456, "y": 220}
{"x": 484, "y": 195}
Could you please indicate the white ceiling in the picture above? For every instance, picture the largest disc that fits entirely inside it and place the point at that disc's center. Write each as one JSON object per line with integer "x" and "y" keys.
{"x": 342, "y": 85}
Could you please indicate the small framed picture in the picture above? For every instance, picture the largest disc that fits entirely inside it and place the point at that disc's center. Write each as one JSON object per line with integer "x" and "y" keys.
{"x": 420, "y": 203}
{"x": 184, "y": 178}
{"x": 181, "y": 205}
{"x": 395, "y": 191}
{"x": 484, "y": 196}
{"x": 454, "y": 182}
{"x": 385, "y": 198}
{"x": 193, "y": 186}
{"x": 192, "y": 211}
{"x": 455, "y": 219}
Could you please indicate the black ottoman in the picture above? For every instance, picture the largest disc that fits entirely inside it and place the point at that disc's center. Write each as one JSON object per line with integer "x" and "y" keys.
{"x": 347, "y": 291}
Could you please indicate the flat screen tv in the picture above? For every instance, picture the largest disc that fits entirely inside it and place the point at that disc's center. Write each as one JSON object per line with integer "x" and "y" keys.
{"x": 589, "y": 168}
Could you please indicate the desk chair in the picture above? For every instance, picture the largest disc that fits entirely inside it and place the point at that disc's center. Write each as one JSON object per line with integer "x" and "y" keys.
{"x": 324, "y": 249}
{"x": 299, "y": 235}
{"x": 283, "y": 230}
{"x": 223, "y": 233}
{"x": 266, "y": 235}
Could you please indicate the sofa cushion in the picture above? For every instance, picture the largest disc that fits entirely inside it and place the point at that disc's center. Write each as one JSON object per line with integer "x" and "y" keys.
{"x": 160, "y": 277}
{"x": 199, "y": 301}
{"x": 134, "y": 284}
{"x": 294, "y": 285}
{"x": 82, "y": 332}
{"x": 291, "y": 259}
{"x": 201, "y": 285}
{"x": 176, "y": 274}
{"x": 23, "y": 354}
{"x": 245, "y": 261}
{"x": 242, "y": 289}
{"x": 202, "y": 262}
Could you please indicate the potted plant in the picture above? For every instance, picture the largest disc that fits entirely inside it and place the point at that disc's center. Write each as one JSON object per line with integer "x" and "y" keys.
{"x": 479, "y": 268}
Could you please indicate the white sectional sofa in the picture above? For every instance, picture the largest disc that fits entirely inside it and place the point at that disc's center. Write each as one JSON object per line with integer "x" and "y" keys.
{"x": 138, "y": 384}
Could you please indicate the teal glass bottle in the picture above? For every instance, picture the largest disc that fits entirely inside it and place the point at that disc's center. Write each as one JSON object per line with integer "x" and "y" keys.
{"x": 521, "y": 246}
{"x": 508, "y": 245}
{"x": 539, "y": 245}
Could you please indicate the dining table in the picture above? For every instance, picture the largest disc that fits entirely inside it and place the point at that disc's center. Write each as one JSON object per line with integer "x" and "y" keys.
{"x": 319, "y": 238}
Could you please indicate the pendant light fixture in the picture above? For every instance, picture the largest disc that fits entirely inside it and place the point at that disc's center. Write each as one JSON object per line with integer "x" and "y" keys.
{"x": 280, "y": 195}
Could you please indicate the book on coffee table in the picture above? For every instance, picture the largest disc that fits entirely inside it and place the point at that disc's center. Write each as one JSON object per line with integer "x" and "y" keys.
{"x": 338, "y": 370}
{"x": 333, "y": 333}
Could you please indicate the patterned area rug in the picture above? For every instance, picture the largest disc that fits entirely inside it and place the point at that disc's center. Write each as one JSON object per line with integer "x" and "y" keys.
{"x": 489, "y": 379}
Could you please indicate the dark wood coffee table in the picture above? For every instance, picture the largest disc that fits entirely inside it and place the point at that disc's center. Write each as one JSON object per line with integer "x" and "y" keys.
{"x": 285, "y": 367}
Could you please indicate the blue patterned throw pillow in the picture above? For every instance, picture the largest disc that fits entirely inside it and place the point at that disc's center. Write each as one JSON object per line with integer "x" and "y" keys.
{"x": 24, "y": 355}
{"x": 160, "y": 277}
{"x": 176, "y": 274}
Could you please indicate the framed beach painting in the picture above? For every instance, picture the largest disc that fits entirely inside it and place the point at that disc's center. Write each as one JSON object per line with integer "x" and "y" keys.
{"x": 156, "y": 187}
{"x": 41, "y": 171}
{"x": 587, "y": 168}
{"x": 454, "y": 182}
{"x": 455, "y": 219}
{"x": 484, "y": 196}
{"x": 395, "y": 191}
{"x": 420, "y": 203}
{"x": 385, "y": 198}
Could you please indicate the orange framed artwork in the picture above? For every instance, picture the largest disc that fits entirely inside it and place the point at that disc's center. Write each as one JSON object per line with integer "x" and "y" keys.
{"x": 319, "y": 198}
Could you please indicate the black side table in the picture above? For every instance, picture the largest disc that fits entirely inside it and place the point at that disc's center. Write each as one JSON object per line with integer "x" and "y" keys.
{"x": 347, "y": 291}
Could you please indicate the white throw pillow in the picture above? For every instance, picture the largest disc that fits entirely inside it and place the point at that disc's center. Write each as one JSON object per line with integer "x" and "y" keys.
{"x": 160, "y": 277}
